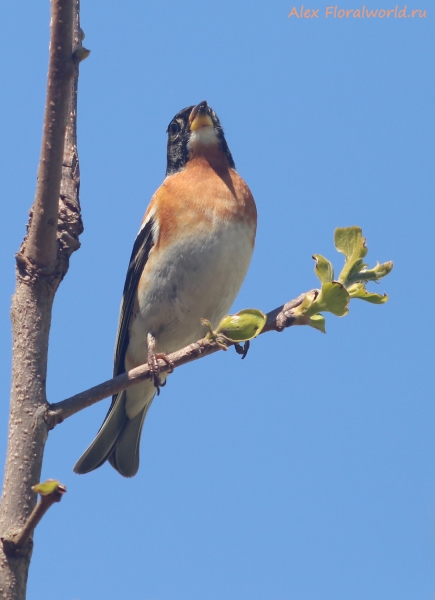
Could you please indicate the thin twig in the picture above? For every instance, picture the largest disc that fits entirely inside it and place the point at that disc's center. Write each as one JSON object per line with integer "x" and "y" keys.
{"x": 277, "y": 320}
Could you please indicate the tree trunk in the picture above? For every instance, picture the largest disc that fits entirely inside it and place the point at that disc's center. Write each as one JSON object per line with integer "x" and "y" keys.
{"x": 42, "y": 262}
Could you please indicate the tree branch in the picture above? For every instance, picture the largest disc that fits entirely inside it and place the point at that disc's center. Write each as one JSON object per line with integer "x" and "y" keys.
{"x": 40, "y": 248}
{"x": 43, "y": 259}
{"x": 16, "y": 542}
{"x": 277, "y": 320}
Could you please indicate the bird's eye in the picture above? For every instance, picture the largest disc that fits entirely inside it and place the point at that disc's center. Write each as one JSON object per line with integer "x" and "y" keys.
{"x": 174, "y": 128}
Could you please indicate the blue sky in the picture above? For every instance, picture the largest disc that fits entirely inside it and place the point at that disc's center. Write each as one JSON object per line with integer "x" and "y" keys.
{"x": 306, "y": 471}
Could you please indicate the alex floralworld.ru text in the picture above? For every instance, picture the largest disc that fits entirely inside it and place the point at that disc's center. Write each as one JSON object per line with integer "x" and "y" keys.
{"x": 335, "y": 12}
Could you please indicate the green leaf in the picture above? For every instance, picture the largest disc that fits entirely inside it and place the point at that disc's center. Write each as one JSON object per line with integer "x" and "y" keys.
{"x": 354, "y": 270}
{"x": 381, "y": 270}
{"x": 358, "y": 290}
{"x": 318, "y": 322}
{"x": 302, "y": 308}
{"x": 243, "y": 326}
{"x": 350, "y": 242}
{"x": 333, "y": 297}
{"x": 47, "y": 487}
{"x": 323, "y": 268}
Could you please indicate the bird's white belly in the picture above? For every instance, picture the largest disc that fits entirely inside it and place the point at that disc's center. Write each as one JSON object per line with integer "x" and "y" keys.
{"x": 200, "y": 278}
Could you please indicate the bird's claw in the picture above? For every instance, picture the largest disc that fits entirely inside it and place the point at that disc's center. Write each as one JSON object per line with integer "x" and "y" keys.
{"x": 153, "y": 358}
{"x": 243, "y": 350}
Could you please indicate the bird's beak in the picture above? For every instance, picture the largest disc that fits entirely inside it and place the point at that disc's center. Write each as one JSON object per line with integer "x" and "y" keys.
{"x": 200, "y": 117}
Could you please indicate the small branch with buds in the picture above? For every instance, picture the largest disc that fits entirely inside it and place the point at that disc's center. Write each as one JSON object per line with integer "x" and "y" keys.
{"x": 334, "y": 296}
{"x": 277, "y": 320}
{"x": 50, "y": 491}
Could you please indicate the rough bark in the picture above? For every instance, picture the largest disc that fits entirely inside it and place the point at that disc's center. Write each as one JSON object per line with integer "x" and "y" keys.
{"x": 42, "y": 261}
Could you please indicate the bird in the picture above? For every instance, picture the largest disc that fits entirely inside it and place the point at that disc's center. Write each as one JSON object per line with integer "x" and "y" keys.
{"x": 189, "y": 260}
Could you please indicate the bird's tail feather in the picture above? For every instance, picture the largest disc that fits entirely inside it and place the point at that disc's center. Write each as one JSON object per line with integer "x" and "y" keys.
{"x": 102, "y": 446}
{"x": 125, "y": 455}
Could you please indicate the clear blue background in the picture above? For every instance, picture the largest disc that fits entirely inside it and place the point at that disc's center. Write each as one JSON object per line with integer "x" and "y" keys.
{"x": 306, "y": 471}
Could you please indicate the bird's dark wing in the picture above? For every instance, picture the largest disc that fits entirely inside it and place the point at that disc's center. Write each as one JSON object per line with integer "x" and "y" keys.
{"x": 139, "y": 256}
{"x": 116, "y": 419}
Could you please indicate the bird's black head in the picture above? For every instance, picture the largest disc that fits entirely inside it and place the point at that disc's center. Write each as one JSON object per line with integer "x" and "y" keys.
{"x": 191, "y": 127}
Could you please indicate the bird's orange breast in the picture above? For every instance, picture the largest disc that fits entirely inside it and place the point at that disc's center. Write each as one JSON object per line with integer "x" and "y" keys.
{"x": 206, "y": 194}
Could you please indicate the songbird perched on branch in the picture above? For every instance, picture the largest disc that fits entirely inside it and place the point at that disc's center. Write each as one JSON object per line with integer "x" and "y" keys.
{"x": 188, "y": 262}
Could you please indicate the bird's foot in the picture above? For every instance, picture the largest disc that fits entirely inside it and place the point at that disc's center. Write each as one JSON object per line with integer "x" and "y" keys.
{"x": 153, "y": 358}
{"x": 243, "y": 350}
